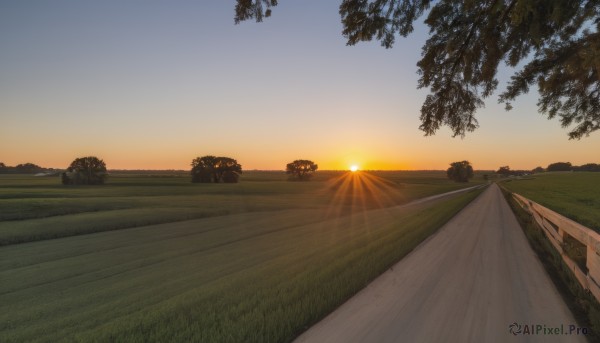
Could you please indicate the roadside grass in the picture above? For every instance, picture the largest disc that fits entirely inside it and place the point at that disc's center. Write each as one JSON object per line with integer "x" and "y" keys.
{"x": 582, "y": 304}
{"x": 572, "y": 194}
{"x": 37, "y": 208}
{"x": 246, "y": 277}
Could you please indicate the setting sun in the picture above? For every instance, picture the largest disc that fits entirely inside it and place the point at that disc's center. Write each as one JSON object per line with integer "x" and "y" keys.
{"x": 353, "y": 168}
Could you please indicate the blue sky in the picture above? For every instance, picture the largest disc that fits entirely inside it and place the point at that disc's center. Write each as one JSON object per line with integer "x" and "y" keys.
{"x": 153, "y": 84}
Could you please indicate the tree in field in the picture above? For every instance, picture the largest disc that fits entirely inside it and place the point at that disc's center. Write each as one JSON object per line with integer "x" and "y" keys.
{"x": 28, "y": 168}
{"x": 538, "y": 170}
{"x": 4, "y": 169}
{"x": 64, "y": 179}
{"x": 503, "y": 171}
{"x": 560, "y": 166}
{"x": 557, "y": 43}
{"x": 203, "y": 169}
{"x": 301, "y": 170}
{"x": 228, "y": 170}
{"x": 210, "y": 168}
{"x": 88, "y": 170}
{"x": 230, "y": 177}
{"x": 460, "y": 171}
{"x": 592, "y": 167}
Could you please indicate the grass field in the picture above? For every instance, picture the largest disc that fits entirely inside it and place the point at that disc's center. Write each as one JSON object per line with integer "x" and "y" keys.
{"x": 34, "y": 208}
{"x": 267, "y": 260}
{"x": 575, "y": 195}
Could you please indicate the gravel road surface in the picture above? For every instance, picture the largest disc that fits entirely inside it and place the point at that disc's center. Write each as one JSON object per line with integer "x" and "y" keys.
{"x": 467, "y": 283}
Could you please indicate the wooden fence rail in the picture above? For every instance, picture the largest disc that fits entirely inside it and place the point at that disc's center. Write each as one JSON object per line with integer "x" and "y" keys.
{"x": 558, "y": 228}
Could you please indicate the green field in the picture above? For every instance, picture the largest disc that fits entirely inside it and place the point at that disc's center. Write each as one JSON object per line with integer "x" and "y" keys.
{"x": 35, "y": 208}
{"x": 266, "y": 260}
{"x": 575, "y": 195}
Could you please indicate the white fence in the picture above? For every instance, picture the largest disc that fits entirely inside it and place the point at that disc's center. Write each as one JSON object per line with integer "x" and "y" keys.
{"x": 556, "y": 227}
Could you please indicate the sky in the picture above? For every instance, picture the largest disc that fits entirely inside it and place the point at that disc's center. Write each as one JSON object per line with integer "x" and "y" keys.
{"x": 153, "y": 84}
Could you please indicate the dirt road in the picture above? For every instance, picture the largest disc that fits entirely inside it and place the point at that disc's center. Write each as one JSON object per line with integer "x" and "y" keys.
{"x": 467, "y": 283}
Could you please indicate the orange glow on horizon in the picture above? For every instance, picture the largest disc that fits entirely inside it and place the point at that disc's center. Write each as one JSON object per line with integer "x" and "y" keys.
{"x": 51, "y": 156}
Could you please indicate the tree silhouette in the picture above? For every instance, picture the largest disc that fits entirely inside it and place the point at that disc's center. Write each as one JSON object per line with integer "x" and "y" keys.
{"x": 558, "y": 41}
{"x": 230, "y": 177}
{"x": 28, "y": 168}
{"x": 591, "y": 167}
{"x": 503, "y": 171}
{"x": 301, "y": 170}
{"x": 460, "y": 171}
{"x": 559, "y": 166}
{"x": 227, "y": 166}
{"x": 88, "y": 170}
{"x": 203, "y": 169}
{"x": 538, "y": 170}
{"x": 215, "y": 169}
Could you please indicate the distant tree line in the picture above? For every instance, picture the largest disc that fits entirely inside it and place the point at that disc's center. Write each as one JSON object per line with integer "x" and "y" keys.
{"x": 91, "y": 170}
{"x": 552, "y": 167}
{"x": 213, "y": 169}
{"x": 538, "y": 170}
{"x": 592, "y": 167}
{"x": 506, "y": 171}
{"x": 566, "y": 166}
{"x": 24, "y": 168}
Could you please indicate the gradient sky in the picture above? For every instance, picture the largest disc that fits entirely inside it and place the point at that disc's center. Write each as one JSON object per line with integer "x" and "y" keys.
{"x": 153, "y": 84}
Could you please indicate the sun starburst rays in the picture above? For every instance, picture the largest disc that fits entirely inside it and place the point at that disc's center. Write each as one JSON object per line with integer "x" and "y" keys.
{"x": 356, "y": 193}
